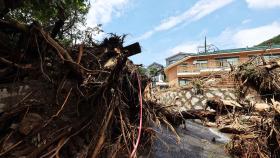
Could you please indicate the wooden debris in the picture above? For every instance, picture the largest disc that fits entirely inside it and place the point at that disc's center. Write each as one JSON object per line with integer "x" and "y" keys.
{"x": 276, "y": 105}
{"x": 262, "y": 123}
{"x": 260, "y": 107}
{"x": 30, "y": 122}
{"x": 231, "y": 130}
{"x": 223, "y": 106}
{"x": 75, "y": 113}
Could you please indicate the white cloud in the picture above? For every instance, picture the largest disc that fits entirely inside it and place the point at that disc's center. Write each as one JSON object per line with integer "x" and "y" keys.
{"x": 236, "y": 38}
{"x": 246, "y": 21}
{"x": 200, "y": 9}
{"x": 233, "y": 38}
{"x": 101, "y": 11}
{"x": 188, "y": 47}
{"x": 254, "y": 36}
{"x": 263, "y": 4}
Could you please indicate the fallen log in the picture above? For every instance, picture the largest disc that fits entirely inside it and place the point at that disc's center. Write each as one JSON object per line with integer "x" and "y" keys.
{"x": 223, "y": 106}
{"x": 177, "y": 118}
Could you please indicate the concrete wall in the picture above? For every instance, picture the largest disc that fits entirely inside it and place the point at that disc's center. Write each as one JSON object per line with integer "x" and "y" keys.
{"x": 188, "y": 99}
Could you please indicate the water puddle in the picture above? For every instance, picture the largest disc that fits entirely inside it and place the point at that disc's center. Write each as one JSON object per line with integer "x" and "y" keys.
{"x": 197, "y": 141}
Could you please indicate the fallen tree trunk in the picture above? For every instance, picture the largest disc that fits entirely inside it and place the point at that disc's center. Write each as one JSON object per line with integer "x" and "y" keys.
{"x": 223, "y": 106}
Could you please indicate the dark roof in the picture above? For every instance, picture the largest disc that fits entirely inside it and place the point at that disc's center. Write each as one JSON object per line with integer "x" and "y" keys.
{"x": 237, "y": 50}
{"x": 180, "y": 53}
{"x": 155, "y": 63}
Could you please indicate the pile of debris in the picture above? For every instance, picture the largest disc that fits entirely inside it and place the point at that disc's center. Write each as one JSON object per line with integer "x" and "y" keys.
{"x": 260, "y": 75}
{"x": 252, "y": 119}
{"x": 255, "y": 126}
{"x": 83, "y": 101}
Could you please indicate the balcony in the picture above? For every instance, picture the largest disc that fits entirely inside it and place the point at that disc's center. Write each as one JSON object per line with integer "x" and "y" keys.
{"x": 209, "y": 66}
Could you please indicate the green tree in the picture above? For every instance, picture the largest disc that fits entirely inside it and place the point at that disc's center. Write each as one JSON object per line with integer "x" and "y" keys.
{"x": 143, "y": 71}
{"x": 274, "y": 40}
{"x": 152, "y": 71}
{"x": 59, "y": 17}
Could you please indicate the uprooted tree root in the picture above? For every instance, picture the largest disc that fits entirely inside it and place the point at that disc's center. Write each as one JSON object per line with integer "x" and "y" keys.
{"x": 262, "y": 137}
{"x": 82, "y": 101}
{"x": 263, "y": 78}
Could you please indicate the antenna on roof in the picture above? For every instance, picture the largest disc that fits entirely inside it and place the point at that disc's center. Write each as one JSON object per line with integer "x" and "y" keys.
{"x": 205, "y": 45}
{"x": 206, "y": 48}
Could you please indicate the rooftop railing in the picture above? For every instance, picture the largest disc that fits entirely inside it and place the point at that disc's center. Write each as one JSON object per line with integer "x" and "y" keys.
{"x": 210, "y": 65}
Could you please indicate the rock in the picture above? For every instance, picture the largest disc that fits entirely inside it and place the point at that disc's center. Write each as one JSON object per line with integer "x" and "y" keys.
{"x": 188, "y": 95}
{"x": 194, "y": 101}
{"x": 219, "y": 94}
{"x": 209, "y": 95}
{"x": 204, "y": 102}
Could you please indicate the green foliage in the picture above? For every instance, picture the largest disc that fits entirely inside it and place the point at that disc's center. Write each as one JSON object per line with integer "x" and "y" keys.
{"x": 152, "y": 71}
{"x": 49, "y": 11}
{"x": 71, "y": 14}
{"x": 143, "y": 71}
{"x": 272, "y": 41}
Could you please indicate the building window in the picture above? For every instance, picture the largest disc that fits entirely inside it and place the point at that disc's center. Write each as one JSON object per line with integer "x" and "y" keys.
{"x": 172, "y": 61}
{"x": 224, "y": 62}
{"x": 183, "y": 67}
{"x": 267, "y": 57}
{"x": 183, "y": 82}
{"x": 271, "y": 56}
{"x": 201, "y": 64}
{"x": 184, "y": 64}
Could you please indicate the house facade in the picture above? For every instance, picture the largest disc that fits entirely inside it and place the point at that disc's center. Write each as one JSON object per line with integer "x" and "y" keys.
{"x": 217, "y": 63}
{"x": 156, "y": 73}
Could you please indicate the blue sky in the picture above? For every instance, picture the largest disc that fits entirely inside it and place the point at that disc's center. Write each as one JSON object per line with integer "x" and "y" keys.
{"x": 166, "y": 27}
